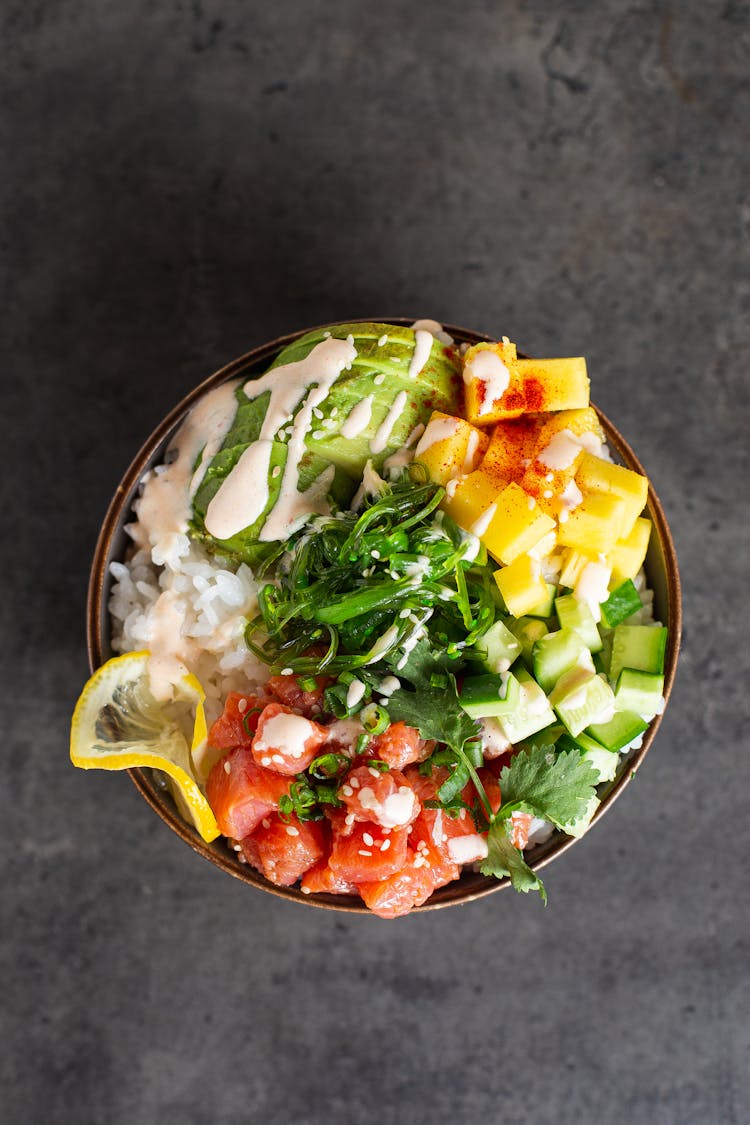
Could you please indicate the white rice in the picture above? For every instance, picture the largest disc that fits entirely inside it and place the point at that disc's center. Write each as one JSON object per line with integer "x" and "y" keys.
{"x": 214, "y": 604}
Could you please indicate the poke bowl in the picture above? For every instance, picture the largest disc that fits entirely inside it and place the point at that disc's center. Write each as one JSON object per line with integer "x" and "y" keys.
{"x": 658, "y": 592}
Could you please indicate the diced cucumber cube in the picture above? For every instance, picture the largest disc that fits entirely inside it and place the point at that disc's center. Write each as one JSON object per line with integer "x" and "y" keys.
{"x": 485, "y": 697}
{"x": 641, "y": 647}
{"x": 620, "y": 731}
{"x": 556, "y": 653}
{"x": 575, "y": 614}
{"x": 641, "y": 692}
{"x": 501, "y": 648}
{"x": 527, "y": 631}
{"x": 581, "y": 741}
{"x": 546, "y": 606}
{"x": 532, "y": 714}
{"x": 621, "y": 604}
{"x": 580, "y": 698}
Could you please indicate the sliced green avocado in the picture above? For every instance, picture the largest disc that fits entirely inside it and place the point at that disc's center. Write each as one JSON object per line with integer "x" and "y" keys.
{"x": 436, "y": 387}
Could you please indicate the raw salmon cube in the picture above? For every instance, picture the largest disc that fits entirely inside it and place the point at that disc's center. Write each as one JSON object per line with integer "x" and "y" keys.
{"x": 241, "y": 792}
{"x": 284, "y": 850}
{"x": 286, "y": 742}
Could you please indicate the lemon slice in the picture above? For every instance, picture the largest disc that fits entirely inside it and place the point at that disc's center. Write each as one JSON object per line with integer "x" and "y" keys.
{"x": 117, "y": 724}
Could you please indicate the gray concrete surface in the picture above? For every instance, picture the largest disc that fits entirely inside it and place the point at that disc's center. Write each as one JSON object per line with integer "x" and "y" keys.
{"x": 184, "y": 180}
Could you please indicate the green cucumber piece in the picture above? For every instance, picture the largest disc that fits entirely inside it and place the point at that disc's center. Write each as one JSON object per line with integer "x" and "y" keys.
{"x": 582, "y": 741}
{"x": 641, "y": 692}
{"x": 575, "y": 614}
{"x": 500, "y": 646}
{"x": 486, "y": 697}
{"x": 528, "y": 630}
{"x": 619, "y": 731}
{"x": 580, "y": 698}
{"x": 621, "y": 604}
{"x": 532, "y": 713}
{"x": 547, "y": 606}
{"x": 556, "y": 653}
{"x": 641, "y": 647}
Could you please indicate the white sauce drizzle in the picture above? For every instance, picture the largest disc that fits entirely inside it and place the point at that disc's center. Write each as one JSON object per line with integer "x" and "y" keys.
{"x": 438, "y": 429}
{"x": 164, "y": 506}
{"x": 380, "y": 441}
{"x": 487, "y": 367}
{"x": 480, "y": 525}
{"x": 405, "y": 455}
{"x": 244, "y": 493}
{"x": 470, "y": 456}
{"x": 358, "y": 418}
{"x": 593, "y": 585}
{"x": 170, "y": 653}
{"x": 422, "y": 349}
{"x": 435, "y": 328}
{"x": 285, "y": 733}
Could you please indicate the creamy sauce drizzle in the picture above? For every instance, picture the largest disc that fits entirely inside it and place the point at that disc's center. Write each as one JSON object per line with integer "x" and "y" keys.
{"x": 405, "y": 455}
{"x": 438, "y": 429}
{"x": 435, "y": 328}
{"x": 358, "y": 418}
{"x": 487, "y": 367}
{"x": 379, "y": 442}
{"x": 164, "y": 505}
{"x": 244, "y": 493}
{"x": 422, "y": 349}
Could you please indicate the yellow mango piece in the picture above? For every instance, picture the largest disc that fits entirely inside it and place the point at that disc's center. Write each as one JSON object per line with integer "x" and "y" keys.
{"x": 521, "y": 585}
{"x": 468, "y": 499}
{"x": 627, "y": 556}
{"x": 573, "y": 564}
{"x": 517, "y": 525}
{"x": 594, "y": 526}
{"x": 499, "y": 385}
{"x": 579, "y": 422}
{"x": 488, "y": 372}
{"x": 557, "y": 454}
{"x": 554, "y": 384}
{"x": 450, "y": 447}
{"x": 596, "y": 475}
{"x": 511, "y": 446}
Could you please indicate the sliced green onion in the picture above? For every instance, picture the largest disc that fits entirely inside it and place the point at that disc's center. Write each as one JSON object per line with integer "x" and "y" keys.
{"x": 374, "y": 718}
{"x": 328, "y": 765}
{"x": 361, "y": 744}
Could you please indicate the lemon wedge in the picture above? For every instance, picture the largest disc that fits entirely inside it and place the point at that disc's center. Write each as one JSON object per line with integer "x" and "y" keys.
{"x": 117, "y": 724}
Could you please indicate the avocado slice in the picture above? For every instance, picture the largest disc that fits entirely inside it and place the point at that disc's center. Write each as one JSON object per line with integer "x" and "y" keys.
{"x": 380, "y": 373}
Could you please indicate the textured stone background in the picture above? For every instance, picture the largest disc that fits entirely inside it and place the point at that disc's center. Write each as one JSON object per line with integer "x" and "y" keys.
{"x": 184, "y": 180}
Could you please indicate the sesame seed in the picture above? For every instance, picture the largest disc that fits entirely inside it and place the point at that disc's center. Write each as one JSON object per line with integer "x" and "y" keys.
{"x": 276, "y": 470}
{"x": 326, "y": 334}
{"x": 379, "y": 379}
{"x": 287, "y": 671}
{"x": 367, "y": 838}
{"x": 266, "y": 761}
{"x": 242, "y": 706}
{"x": 349, "y": 819}
{"x": 382, "y": 340}
{"x": 277, "y": 758}
{"x": 334, "y": 411}
{"x": 317, "y": 412}
{"x": 241, "y": 858}
{"x": 531, "y": 502}
{"x": 305, "y": 890}
{"x": 347, "y": 790}
{"x": 354, "y": 782}
{"x": 375, "y": 554}
{"x": 266, "y": 822}
{"x": 373, "y": 772}
{"x": 237, "y": 847}
{"x": 318, "y": 434}
{"x": 291, "y": 830}
{"x": 227, "y": 767}
{"x": 385, "y": 845}
{"x": 363, "y": 852}
{"x": 550, "y": 476}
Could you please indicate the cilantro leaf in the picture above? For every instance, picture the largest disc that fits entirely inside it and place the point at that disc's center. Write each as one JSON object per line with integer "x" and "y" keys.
{"x": 435, "y": 712}
{"x": 503, "y": 859}
{"x": 554, "y": 787}
{"x": 422, "y": 662}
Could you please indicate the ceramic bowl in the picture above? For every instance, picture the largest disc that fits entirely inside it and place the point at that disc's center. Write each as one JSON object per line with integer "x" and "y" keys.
{"x": 112, "y": 545}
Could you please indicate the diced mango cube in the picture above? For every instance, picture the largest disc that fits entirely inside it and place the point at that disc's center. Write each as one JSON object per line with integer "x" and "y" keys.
{"x": 573, "y": 565}
{"x": 554, "y": 384}
{"x": 593, "y": 526}
{"x": 468, "y": 499}
{"x": 498, "y": 385}
{"x": 488, "y": 373}
{"x": 516, "y": 526}
{"x": 450, "y": 447}
{"x": 596, "y": 475}
{"x": 558, "y": 451}
{"x": 579, "y": 422}
{"x": 521, "y": 585}
{"x": 627, "y": 556}
{"x": 511, "y": 446}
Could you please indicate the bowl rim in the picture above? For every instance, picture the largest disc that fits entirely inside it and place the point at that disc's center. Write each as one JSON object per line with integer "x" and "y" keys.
{"x": 470, "y": 886}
